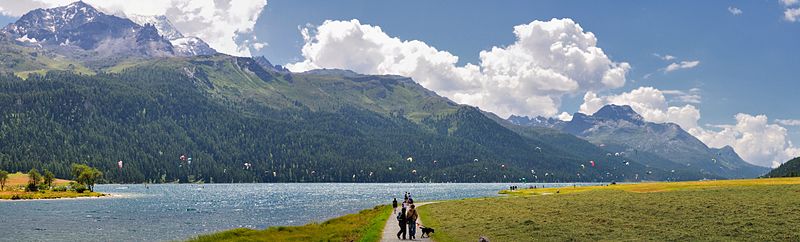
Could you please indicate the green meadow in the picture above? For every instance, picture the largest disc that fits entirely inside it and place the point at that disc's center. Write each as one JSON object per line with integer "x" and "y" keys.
{"x": 728, "y": 210}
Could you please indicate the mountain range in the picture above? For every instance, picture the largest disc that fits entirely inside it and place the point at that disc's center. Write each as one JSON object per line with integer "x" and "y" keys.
{"x": 663, "y": 145}
{"x": 87, "y": 87}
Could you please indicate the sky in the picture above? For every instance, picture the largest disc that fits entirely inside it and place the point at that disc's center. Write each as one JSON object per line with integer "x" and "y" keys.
{"x": 726, "y": 71}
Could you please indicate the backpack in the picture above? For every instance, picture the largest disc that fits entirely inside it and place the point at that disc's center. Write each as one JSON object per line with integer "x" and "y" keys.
{"x": 401, "y": 216}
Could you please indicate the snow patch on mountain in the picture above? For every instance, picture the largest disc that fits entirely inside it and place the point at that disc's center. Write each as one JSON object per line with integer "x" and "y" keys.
{"x": 183, "y": 45}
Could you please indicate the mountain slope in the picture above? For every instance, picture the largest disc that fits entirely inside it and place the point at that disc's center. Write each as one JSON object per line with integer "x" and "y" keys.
{"x": 789, "y": 169}
{"x": 666, "y": 146}
{"x": 182, "y": 45}
{"x": 569, "y": 143}
{"x": 81, "y": 32}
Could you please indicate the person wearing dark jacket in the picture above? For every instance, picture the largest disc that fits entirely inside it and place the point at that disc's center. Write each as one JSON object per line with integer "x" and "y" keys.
{"x": 411, "y": 220}
{"x": 401, "y": 218}
{"x": 394, "y": 205}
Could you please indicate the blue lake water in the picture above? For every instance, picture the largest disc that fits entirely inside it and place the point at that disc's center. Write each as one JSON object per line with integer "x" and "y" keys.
{"x": 182, "y": 211}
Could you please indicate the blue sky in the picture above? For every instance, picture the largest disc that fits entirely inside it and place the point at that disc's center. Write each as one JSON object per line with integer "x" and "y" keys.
{"x": 741, "y": 57}
{"x": 748, "y": 62}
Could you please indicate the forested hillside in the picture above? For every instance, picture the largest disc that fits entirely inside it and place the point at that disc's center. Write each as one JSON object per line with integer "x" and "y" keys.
{"x": 789, "y": 169}
{"x": 149, "y": 115}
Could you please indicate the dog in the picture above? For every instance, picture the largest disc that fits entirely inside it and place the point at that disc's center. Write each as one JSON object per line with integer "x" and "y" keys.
{"x": 426, "y": 231}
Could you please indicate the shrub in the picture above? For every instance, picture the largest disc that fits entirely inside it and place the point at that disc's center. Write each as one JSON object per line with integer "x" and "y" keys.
{"x": 31, "y": 187}
{"x": 80, "y": 188}
{"x": 60, "y": 188}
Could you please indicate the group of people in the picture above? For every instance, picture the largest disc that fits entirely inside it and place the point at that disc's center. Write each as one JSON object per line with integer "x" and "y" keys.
{"x": 407, "y": 218}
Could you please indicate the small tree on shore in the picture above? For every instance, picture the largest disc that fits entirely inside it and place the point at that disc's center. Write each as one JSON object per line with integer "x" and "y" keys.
{"x": 34, "y": 177}
{"x": 3, "y": 179}
{"x": 48, "y": 178}
{"x": 86, "y": 175}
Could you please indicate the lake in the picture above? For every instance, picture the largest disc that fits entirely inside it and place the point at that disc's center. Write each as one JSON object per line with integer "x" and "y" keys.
{"x": 182, "y": 211}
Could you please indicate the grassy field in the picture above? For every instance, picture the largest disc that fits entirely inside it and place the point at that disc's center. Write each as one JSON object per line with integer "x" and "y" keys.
{"x": 366, "y": 225}
{"x": 21, "y": 179}
{"x": 729, "y": 210}
{"x": 14, "y": 189}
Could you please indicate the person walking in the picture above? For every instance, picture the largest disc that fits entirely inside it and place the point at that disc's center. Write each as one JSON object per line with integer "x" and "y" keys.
{"x": 401, "y": 219}
{"x": 411, "y": 220}
{"x": 394, "y": 205}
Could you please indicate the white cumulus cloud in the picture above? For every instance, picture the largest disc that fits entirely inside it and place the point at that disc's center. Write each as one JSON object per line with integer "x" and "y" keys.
{"x": 753, "y": 138}
{"x": 649, "y": 102}
{"x": 791, "y": 14}
{"x": 734, "y": 10}
{"x": 226, "y": 25}
{"x": 549, "y": 59}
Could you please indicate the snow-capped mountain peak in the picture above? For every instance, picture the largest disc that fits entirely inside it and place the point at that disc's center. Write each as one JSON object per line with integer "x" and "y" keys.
{"x": 161, "y": 22}
{"x": 189, "y": 46}
{"x": 183, "y": 45}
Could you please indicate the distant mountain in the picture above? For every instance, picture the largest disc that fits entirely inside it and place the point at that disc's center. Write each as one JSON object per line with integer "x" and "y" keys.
{"x": 537, "y": 121}
{"x": 81, "y": 32}
{"x": 161, "y": 22}
{"x": 263, "y": 62}
{"x": 789, "y": 169}
{"x": 183, "y": 45}
{"x": 666, "y": 146}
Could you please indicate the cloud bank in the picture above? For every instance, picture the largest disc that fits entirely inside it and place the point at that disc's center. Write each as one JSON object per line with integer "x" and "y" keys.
{"x": 788, "y": 122}
{"x": 549, "y": 59}
{"x": 226, "y": 25}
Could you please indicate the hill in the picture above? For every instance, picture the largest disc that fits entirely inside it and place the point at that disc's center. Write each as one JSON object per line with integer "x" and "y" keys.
{"x": 790, "y": 168}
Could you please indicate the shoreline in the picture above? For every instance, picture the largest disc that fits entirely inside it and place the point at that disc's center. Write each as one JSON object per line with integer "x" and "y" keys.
{"x": 557, "y": 193}
{"x": 99, "y": 195}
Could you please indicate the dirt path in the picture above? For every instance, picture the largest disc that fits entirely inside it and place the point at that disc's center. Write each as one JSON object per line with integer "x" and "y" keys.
{"x": 392, "y": 227}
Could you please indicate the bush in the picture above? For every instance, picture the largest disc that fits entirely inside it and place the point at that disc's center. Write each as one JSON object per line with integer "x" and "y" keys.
{"x": 31, "y": 187}
{"x": 77, "y": 187}
{"x": 60, "y": 188}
